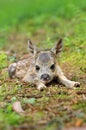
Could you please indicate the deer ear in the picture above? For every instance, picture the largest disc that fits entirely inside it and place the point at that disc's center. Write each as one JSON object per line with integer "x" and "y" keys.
{"x": 58, "y": 48}
{"x": 32, "y": 49}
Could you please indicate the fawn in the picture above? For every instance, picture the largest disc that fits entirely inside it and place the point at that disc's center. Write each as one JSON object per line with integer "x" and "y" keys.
{"x": 41, "y": 67}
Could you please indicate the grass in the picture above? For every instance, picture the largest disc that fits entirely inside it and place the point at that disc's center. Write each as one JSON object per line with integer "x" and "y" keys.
{"x": 21, "y": 10}
{"x": 56, "y": 107}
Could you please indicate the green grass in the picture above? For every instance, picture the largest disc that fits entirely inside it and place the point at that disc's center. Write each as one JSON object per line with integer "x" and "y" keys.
{"x": 13, "y": 11}
{"x": 3, "y": 60}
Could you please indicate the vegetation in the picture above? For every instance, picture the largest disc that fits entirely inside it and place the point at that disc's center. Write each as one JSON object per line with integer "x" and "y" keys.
{"x": 44, "y": 22}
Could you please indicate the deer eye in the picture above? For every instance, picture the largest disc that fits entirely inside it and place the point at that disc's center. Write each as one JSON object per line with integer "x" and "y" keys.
{"x": 37, "y": 67}
{"x": 52, "y": 67}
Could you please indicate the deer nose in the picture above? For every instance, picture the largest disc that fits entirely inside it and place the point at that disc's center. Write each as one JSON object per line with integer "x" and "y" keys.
{"x": 45, "y": 77}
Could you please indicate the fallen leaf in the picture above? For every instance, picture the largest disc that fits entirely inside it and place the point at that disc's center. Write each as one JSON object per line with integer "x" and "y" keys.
{"x": 79, "y": 122}
{"x": 18, "y": 108}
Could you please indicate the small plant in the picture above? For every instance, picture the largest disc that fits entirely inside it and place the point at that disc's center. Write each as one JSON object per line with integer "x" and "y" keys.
{"x": 3, "y": 60}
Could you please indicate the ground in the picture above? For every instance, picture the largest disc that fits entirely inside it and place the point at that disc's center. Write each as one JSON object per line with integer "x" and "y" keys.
{"x": 57, "y": 107}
